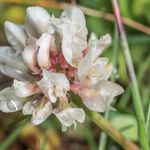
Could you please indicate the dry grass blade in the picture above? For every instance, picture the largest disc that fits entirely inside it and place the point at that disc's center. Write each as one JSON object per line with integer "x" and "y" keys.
{"x": 88, "y": 11}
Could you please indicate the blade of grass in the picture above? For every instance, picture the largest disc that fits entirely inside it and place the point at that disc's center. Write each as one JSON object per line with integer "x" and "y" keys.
{"x": 13, "y": 135}
{"x": 135, "y": 89}
{"x": 103, "y": 137}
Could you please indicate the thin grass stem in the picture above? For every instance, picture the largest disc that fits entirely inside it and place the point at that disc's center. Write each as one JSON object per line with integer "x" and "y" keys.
{"x": 134, "y": 85}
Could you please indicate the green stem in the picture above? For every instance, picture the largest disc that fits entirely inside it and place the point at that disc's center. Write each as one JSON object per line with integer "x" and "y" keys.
{"x": 106, "y": 126}
{"x": 135, "y": 89}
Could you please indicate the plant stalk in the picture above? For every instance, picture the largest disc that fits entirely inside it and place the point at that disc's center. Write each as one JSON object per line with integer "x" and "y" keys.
{"x": 135, "y": 89}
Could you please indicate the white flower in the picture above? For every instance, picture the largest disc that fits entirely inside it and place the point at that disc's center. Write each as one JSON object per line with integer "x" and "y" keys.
{"x": 69, "y": 116}
{"x": 49, "y": 57}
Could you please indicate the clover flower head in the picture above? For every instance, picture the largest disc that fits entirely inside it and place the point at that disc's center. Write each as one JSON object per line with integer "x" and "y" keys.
{"x": 47, "y": 58}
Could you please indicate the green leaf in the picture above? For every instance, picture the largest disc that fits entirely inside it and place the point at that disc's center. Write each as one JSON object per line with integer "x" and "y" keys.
{"x": 127, "y": 124}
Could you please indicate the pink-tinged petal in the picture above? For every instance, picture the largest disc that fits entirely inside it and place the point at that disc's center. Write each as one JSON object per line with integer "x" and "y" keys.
{"x": 29, "y": 56}
{"x": 54, "y": 85}
{"x": 16, "y": 73}
{"x": 8, "y": 56}
{"x": 22, "y": 89}
{"x": 95, "y": 49}
{"x": 37, "y": 21}
{"x": 15, "y": 36}
{"x": 45, "y": 42}
{"x": 9, "y": 102}
{"x": 99, "y": 97}
{"x": 42, "y": 111}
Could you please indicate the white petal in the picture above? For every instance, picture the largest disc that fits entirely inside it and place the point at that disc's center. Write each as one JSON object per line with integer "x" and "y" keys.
{"x": 29, "y": 56}
{"x": 37, "y": 21}
{"x": 69, "y": 116}
{"x": 23, "y": 89}
{"x": 31, "y": 104}
{"x": 9, "y": 56}
{"x": 54, "y": 85}
{"x": 74, "y": 15}
{"x": 61, "y": 83}
{"x": 28, "y": 108}
{"x": 77, "y": 114}
{"x": 9, "y": 102}
{"x": 47, "y": 87}
{"x": 16, "y": 74}
{"x": 95, "y": 49}
{"x": 99, "y": 97}
{"x": 65, "y": 118}
{"x": 15, "y": 35}
{"x": 44, "y": 43}
{"x": 93, "y": 100}
{"x": 42, "y": 112}
{"x": 109, "y": 89}
{"x": 73, "y": 43}
{"x": 100, "y": 70}
{"x": 74, "y": 33}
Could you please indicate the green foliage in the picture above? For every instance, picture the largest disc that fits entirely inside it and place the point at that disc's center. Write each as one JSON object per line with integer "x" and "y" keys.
{"x": 127, "y": 125}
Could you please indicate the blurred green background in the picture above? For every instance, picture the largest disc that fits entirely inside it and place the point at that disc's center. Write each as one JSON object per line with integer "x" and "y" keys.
{"x": 19, "y": 134}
